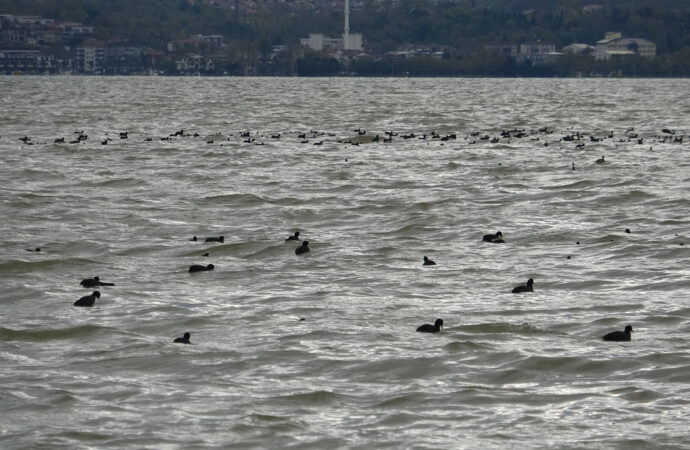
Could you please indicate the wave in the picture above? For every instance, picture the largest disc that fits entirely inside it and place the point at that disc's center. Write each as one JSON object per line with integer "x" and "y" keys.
{"x": 15, "y": 266}
{"x": 44, "y": 335}
{"x": 128, "y": 182}
{"x": 319, "y": 397}
{"x": 503, "y": 327}
{"x": 249, "y": 200}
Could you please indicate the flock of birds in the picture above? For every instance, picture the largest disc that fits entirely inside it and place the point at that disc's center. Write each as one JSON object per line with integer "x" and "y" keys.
{"x": 316, "y": 138}
{"x": 542, "y": 135}
{"x": 495, "y": 238}
{"x": 90, "y": 300}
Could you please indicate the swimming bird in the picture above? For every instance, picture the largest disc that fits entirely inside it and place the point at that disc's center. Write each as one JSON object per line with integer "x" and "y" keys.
{"x": 428, "y": 262}
{"x": 215, "y": 239}
{"x": 495, "y": 238}
{"x": 619, "y": 335}
{"x": 428, "y": 328}
{"x": 194, "y": 239}
{"x": 93, "y": 282}
{"x": 294, "y": 237}
{"x": 183, "y": 340}
{"x": 524, "y": 288}
{"x": 37, "y": 249}
{"x": 88, "y": 300}
{"x": 200, "y": 268}
{"x": 600, "y": 160}
{"x": 303, "y": 249}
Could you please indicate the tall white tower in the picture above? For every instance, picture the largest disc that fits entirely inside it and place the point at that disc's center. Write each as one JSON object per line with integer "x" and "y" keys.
{"x": 346, "y": 35}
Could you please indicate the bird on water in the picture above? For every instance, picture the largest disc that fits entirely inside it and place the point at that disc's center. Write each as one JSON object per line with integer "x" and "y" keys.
{"x": 496, "y": 238}
{"x": 93, "y": 282}
{"x": 428, "y": 328}
{"x": 619, "y": 335}
{"x": 294, "y": 237}
{"x": 88, "y": 300}
{"x": 525, "y": 287}
{"x": 429, "y": 262}
{"x": 304, "y": 248}
{"x": 183, "y": 340}
{"x": 200, "y": 268}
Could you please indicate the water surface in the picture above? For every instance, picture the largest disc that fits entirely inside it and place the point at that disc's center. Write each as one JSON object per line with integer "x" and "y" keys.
{"x": 528, "y": 371}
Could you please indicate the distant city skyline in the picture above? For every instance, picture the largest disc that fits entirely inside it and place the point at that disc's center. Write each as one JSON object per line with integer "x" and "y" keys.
{"x": 463, "y": 39}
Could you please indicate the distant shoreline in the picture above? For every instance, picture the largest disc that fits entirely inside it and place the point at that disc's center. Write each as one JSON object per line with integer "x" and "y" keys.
{"x": 609, "y": 77}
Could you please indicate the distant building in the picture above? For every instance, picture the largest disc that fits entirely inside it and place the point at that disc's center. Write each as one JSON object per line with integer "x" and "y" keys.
{"x": 534, "y": 48}
{"x": 349, "y": 41}
{"x": 510, "y": 50}
{"x": 188, "y": 45}
{"x": 319, "y": 42}
{"x": 34, "y": 30}
{"x": 123, "y": 60}
{"x": 213, "y": 40}
{"x": 32, "y": 20}
{"x": 542, "y": 59}
{"x": 90, "y": 60}
{"x": 352, "y": 41}
{"x": 102, "y": 59}
{"x": 577, "y": 48}
{"x": 416, "y": 53}
{"x": 74, "y": 32}
{"x": 614, "y": 44}
{"x": 26, "y": 61}
{"x": 536, "y": 52}
{"x": 194, "y": 64}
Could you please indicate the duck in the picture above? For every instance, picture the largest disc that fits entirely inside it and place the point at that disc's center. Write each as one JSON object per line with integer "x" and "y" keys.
{"x": 429, "y": 262}
{"x": 619, "y": 335}
{"x": 495, "y": 238}
{"x": 428, "y": 328}
{"x": 88, "y": 300}
{"x": 600, "y": 160}
{"x": 215, "y": 239}
{"x": 294, "y": 237}
{"x": 93, "y": 282}
{"x": 525, "y": 287}
{"x": 302, "y": 249}
{"x": 200, "y": 268}
{"x": 183, "y": 340}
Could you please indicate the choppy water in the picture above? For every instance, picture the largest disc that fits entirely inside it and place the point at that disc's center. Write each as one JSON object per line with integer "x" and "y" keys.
{"x": 509, "y": 370}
